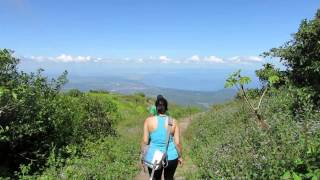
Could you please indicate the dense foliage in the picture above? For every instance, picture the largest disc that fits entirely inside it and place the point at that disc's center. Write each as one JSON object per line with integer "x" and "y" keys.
{"x": 111, "y": 157}
{"x": 302, "y": 57}
{"x": 48, "y": 134}
{"x": 268, "y": 71}
{"x": 227, "y": 143}
{"x": 36, "y": 119}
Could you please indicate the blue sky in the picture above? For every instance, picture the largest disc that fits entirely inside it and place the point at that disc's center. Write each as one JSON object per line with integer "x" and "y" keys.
{"x": 143, "y": 28}
{"x": 88, "y": 36}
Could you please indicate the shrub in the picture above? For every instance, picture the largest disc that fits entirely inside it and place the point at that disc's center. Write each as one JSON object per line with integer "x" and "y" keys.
{"x": 225, "y": 142}
{"x": 99, "y": 91}
{"x": 302, "y": 56}
{"x": 35, "y": 118}
{"x": 74, "y": 93}
{"x": 106, "y": 158}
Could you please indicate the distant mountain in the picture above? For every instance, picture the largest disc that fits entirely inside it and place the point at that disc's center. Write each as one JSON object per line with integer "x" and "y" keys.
{"x": 125, "y": 86}
{"x": 198, "y": 98}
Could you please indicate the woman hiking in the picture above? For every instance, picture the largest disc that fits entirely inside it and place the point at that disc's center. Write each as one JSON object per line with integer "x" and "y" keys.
{"x": 156, "y": 129}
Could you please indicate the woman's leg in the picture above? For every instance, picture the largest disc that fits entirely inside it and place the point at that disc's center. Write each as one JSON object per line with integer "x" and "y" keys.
{"x": 170, "y": 169}
{"x": 157, "y": 174}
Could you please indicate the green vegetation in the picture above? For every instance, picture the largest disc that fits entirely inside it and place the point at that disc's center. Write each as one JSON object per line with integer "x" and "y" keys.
{"x": 267, "y": 133}
{"x": 301, "y": 55}
{"x": 228, "y": 141}
{"x": 113, "y": 157}
{"x": 47, "y": 134}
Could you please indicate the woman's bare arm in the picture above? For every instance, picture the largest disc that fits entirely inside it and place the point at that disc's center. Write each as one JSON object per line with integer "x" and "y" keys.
{"x": 145, "y": 137}
{"x": 177, "y": 139}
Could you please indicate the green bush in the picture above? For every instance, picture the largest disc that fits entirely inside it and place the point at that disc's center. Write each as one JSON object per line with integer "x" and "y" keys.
{"x": 226, "y": 142}
{"x": 28, "y": 119}
{"x": 74, "y": 93}
{"x": 141, "y": 94}
{"x": 99, "y": 91}
{"x": 302, "y": 56}
{"x": 8, "y": 69}
{"x": 36, "y": 118}
{"x": 268, "y": 71}
{"x": 180, "y": 112}
{"x": 106, "y": 158}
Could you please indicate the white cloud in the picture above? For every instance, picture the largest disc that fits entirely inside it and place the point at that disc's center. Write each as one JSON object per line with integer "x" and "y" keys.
{"x": 140, "y": 60}
{"x": 246, "y": 59}
{"x": 208, "y": 59}
{"x": 37, "y": 58}
{"x": 164, "y": 59}
{"x": 83, "y": 58}
{"x": 213, "y": 59}
{"x": 65, "y": 58}
{"x": 195, "y": 58}
{"x": 69, "y": 58}
{"x": 255, "y": 59}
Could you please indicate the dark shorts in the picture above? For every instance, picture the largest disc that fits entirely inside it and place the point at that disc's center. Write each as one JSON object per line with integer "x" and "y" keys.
{"x": 168, "y": 171}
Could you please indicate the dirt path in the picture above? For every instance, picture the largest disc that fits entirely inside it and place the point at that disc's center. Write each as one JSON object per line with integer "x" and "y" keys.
{"x": 188, "y": 166}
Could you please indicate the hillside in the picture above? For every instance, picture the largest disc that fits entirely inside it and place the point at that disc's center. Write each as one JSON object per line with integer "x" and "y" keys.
{"x": 124, "y": 86}
{"x": 226, "y": 142}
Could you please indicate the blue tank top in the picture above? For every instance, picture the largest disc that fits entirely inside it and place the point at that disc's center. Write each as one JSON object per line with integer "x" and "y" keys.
{"x": 158, "y": 139}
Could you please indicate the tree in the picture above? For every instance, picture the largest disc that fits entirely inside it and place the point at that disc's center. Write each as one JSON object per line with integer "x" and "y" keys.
{"x": 36, "y": 119}
{"x": 239, "y": 81}
{"x": 8, "y": 68}
{"x": 27, "y": 108}
{"x": 301, "y": 55}
{"x": 267, "y": 71}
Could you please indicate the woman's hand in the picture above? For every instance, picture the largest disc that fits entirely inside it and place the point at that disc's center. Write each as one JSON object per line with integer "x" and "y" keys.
{"x": 180, "y": 161}
{"x": 142, "y": 166}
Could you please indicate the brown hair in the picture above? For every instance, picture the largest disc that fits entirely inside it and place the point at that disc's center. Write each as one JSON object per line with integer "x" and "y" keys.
{"x": 161, "y": 105}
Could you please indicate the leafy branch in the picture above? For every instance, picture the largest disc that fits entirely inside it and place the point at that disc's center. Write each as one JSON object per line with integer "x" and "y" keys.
{"x": 238, "y": 81}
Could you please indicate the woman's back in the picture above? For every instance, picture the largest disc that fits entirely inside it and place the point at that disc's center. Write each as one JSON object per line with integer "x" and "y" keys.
{"x": 158, "y": 134}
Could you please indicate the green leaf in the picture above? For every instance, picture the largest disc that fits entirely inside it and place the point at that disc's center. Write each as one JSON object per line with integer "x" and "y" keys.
{"x": 273, "y": 79}
{"x": 2, "y": 89}
{"x": 286, "y": 175}
{"x": 296, "y": 176}
{"x": 230, "y": 83}
{"x": 299, "y": 161}
{"x": 233, "y": 79}
{"x": 14, "y": 95}
{"x": 244, "y": 80}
